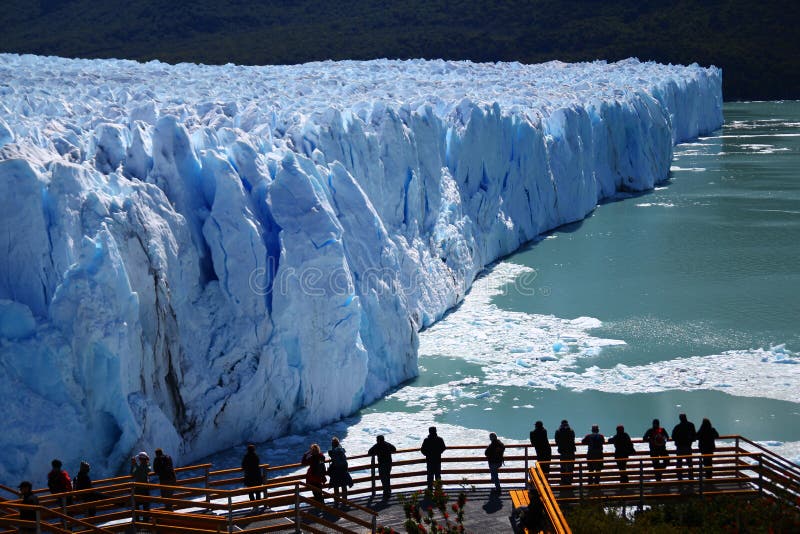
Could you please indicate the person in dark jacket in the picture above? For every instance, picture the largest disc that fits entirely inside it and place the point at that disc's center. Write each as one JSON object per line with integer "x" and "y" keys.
{"x": 683, "y": 434}
{"x": 594, "y": 453}
{"x": 706, "y": 442}
{"x": 29, "y": 498}
{"x": 83, "y": 481}
{"x": 623, "y": 448}
{"x": 542, "y": 446}
{"x": 251, "y": 466}
{"x": 657, "y": 438}
{"x": 432, "y": 448}
{"x": 162, "y": 466}
{"x": 140, "y": 471}
{"x": 316, "y": 473}
{"x": 58, "y": 480}
{"x": 494, "y": 455}
{"x": 339, "y": 471}
{"x": 383, "y": 451}
{"x": 565, "y": 443}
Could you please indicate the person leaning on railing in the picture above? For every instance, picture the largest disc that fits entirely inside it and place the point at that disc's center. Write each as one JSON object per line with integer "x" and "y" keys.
{"x": 706, "y": 437}
{"x": 383, "y": 451}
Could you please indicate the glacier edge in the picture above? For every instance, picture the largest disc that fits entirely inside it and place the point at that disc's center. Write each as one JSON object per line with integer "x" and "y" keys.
{"x": 194, "y": 264}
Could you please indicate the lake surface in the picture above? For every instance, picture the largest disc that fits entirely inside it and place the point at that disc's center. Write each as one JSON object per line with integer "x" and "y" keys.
{"x": 683, "y": 299}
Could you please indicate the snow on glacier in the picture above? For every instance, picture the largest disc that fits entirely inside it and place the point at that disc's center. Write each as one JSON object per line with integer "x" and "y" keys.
{"x": 197, "y": 256}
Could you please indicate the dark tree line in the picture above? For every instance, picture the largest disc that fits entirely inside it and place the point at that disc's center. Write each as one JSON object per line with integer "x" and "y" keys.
{"x": 756, "y": 43}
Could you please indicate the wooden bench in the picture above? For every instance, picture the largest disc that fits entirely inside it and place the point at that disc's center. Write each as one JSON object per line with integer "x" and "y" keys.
{"x": 182, "y": 523}
{"x": 519, "y": 499}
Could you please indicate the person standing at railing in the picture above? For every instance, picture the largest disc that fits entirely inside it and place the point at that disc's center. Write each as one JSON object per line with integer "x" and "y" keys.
{"x": 315, "y": 475}
{"x": 83, "y": 481}
{"x": 494, "y": 454}
{"x": 594, "y": 453}
{"x": 58, "y": 480}
{"x": 683, "y": 434}
{"x": 339, "y": 470}
{"x": 542, "y": 446}
{"x": 706, "y": 442}
{"x": 29, "y": 498}
{"x": 162, "y": 466}
{"x": 565, "y": 442}
{"x": 140, "y": 471}
{"x": 432, "y": 448}
{"x": 623, "y": 448}
{"x": 657, "y": 438}
{"x": 383, "y": 450}
{"x": 251, "y": 466}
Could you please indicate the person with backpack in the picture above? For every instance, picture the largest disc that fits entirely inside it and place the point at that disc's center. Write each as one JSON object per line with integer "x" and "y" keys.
{"x": 494, "y": 454}
{"x": 565, "y": 443}
{"x": 706, "y": 442}
{"x": 623, "y": 448}
{"x": 683, "y": 434}
{"x": 316, "y": 473}
{"x": 339, "y": 471}
{"x": 251, "y": 466}
{"x": 657, "y": 438}
{"x": 432, "y": 448}
{"x": 541, "y": 444}
{"x": 58, "y": 481}
{"x": 383, "y": 450}
{"x": 594, "y": 453}
{"x": 162, "y": 466}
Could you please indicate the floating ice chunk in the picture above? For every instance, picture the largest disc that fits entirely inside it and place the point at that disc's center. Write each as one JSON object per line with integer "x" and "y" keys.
{"x": 523, "y": 363}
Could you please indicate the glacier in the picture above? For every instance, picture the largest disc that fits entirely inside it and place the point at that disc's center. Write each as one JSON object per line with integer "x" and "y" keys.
{"x": 198, "y": 256}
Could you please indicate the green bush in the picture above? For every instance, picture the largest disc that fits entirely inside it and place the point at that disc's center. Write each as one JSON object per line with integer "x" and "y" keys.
{"x": 708, "y": 515}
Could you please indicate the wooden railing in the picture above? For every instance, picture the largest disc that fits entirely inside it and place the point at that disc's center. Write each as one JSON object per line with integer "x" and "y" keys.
{"x": 744, "y": 468}
{"x": 553, "y": 510}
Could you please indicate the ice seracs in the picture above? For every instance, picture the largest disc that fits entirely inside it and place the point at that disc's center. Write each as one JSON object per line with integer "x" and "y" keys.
{"x": 197, "y": 256}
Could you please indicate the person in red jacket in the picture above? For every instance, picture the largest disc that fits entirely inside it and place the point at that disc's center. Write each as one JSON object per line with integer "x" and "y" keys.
{"x": 657, "y": 437}
{"x": 58, "y": 480}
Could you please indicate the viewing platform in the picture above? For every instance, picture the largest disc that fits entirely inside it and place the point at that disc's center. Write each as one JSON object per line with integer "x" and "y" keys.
{"x": 207, "y": 500}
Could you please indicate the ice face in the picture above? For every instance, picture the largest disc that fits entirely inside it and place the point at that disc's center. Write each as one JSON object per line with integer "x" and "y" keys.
{"x": 198, "y": 256}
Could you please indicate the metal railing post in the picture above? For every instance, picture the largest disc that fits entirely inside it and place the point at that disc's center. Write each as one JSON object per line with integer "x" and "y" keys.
{"x": 526, "y": 465}
{"x": 736, "y": 471}
{"x": 133, "y": 503}
{"x": 702, "y": 473}
{"x": 580, "y": 480}
{"x": 374, "y": 524}
{"x": 38, "y": 521}
{"x": 265, "y": 479}
{"x": 230, "y": 514}
{"x": 641, "y": 484}
{"x": 372, "y": 474}
{"x": 297, "y": 508}
{"x": 208, "y": 495}
{"x": 760, "y": 474}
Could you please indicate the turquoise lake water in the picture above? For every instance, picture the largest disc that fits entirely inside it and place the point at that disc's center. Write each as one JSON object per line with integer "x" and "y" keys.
{"x": 708, "y": 262}
{"x": 702, "y": 271}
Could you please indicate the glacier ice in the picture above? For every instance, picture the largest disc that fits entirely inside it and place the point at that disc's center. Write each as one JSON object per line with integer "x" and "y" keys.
{"x": 197, "y": 256}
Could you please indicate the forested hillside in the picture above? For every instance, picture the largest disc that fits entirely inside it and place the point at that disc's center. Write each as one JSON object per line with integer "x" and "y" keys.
{"x": 756, "y": 43}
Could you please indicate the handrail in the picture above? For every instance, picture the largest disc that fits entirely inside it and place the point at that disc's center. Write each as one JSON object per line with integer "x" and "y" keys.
{"x": 549, "y": 501}
{"x": 750, "y": 465}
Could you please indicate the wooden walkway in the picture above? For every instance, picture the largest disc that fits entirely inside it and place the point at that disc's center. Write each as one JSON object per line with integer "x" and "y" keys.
{"x": 744, "y": 468}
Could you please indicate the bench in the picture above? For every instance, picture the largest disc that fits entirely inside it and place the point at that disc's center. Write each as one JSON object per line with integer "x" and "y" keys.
{"x": 180, "y": 523}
